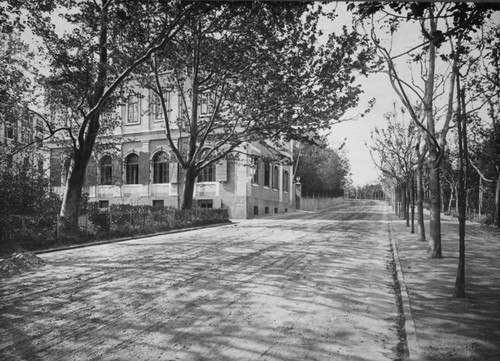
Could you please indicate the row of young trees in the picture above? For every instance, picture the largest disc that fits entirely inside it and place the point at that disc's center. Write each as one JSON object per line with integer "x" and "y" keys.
{"x": 457, "y": 90}
{"x": 259, "y": 65}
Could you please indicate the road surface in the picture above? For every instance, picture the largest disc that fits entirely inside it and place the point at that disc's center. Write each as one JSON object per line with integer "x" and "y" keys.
{"x": 300, "y": 286}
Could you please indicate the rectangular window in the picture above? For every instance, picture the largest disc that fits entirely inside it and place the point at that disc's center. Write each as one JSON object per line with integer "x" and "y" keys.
{"x": 205, "y": 106}
{"x": 256, "y": 210}
{"x": 157, "y": 106}
{"x": 205, "y": 203}
{"x": 266, "y": 210}
{"x": 267, "y": 173}
{"x": 160, "y": 172}
{"x": 207, "y": 174}
{"x": 286, "y": 181}
{"x": 256, "y": 168}
{"x": 133, "y": 109}
{"x": 158, "y": 203}
{"x": 103, "y": 204}
{"x": 9, "y": 132}
{"x": 275, "y": 210}
{"x": 276, "y": 171}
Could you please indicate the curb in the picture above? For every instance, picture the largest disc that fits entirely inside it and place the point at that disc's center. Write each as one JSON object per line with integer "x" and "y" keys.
{"x": 410, "y": 329}
{"x": 98, "y": 243}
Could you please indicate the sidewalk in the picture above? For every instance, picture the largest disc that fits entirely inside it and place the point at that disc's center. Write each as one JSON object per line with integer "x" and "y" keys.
{"x": 446, "y": 328}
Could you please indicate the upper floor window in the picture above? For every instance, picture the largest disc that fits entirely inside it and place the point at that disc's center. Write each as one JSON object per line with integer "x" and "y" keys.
{"x": 157, "y": 106}
{"x": 132, "y": 169}
{"x": 207, "y": 174}
{"x": 267, "y": 173}
{"x": 286, "y": 181}
{"x": 276, "y": 172}
{"x": 133, "y": 109}
{"x": 160, "y": 168}
{"x": 205, "y": 106}
{"x": 9, "y": 132}
{"x": 106, "y": 170}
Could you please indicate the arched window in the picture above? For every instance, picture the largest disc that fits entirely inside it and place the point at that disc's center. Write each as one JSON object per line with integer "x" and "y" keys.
{"x": 106, "y": 170}
{"x": 160, "y": 168}
{"x": 132, "y": 169}
{"x": 286, "y": 181}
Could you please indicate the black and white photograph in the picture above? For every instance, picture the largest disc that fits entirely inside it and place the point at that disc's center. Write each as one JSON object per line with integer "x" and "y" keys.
{"x": 249, "y": 180}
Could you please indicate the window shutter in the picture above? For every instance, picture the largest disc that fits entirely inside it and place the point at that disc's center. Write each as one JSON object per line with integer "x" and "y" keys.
{"x": 117, "y": 171}
{"x": 221, "y": 171}
{"x": 55, "y": 170}
{"x": 173, "y": 167}
{"x": 91, "y": 173}
{"x": 144, "y": 168}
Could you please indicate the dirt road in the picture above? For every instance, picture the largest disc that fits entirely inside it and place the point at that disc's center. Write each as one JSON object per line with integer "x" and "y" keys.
{"x": 304, "y": 286}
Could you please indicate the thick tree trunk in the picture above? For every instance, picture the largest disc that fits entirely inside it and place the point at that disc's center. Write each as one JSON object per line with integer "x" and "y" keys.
{"x": 434, "y": 250}
{"x": 420, "y": 202}
{"x": 188, "y": 192}
{"x": 73, "y": 191}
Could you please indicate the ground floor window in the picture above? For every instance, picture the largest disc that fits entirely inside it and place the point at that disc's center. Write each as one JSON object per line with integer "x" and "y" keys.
{"x": 205, "y": 203}
{"x": 158, "y": 203}
{"x": 132, "y": 169}
{"x": 103, "y": 204}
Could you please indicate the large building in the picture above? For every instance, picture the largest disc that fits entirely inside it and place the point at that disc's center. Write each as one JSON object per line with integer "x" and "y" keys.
{"x": 140, "y": 169}
{"x": 18, "y": 137}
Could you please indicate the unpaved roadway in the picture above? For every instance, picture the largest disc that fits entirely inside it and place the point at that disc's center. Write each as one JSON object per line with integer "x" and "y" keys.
{"x": 301, "y": 286}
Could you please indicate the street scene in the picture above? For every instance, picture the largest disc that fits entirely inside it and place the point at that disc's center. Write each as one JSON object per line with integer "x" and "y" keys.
{"x": 249, "y": 180}
{"x": 304, "y": 286}
{"x": 294, "y": 288}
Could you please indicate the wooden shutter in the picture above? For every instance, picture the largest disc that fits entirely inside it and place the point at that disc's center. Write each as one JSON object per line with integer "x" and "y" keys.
{"x": 221, "y": 171}
{"x": 144, "y": 168}
{"x": 117, "y": 171}
{"x": 91, "y": 173}
{"x": 55, "y": 170}
{"x": 173, "y": 168}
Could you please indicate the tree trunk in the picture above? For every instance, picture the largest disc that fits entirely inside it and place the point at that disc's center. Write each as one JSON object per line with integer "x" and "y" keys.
{"x": 497, "y": 201}
{"x": 420, "y": 202}
{"x": 73, "y": 191}
{"x": 412, "y": 198}
{"x": 408, "y": 201}
{"x": 434, "y": 250}
{"x": 188, "y": 192}
{"x": 452, "y": 189}
{"x": 462, "y": 191}
{"x": 404, "y": 214}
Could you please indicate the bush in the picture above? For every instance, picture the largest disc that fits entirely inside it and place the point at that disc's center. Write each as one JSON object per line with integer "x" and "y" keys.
{"x": 36, "y": 232}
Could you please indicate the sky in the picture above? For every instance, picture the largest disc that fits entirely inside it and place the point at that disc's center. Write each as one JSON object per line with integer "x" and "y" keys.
{"x": 357, "y": 133}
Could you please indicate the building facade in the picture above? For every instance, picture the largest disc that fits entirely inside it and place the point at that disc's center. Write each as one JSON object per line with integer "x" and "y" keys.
{"x": 140, "y": 169}
{"x": 19, "y": 138}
